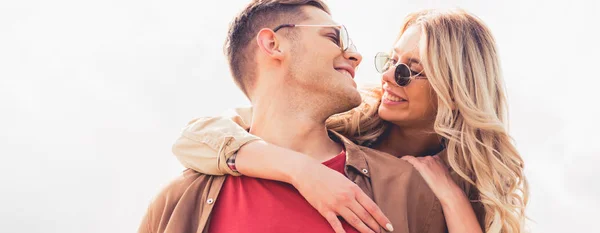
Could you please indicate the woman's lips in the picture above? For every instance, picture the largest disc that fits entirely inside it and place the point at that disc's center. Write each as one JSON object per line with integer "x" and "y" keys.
{"x": 391, "y": 99}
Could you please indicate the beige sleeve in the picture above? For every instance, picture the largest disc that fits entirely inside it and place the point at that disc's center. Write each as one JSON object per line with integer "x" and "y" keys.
{"x": 206, "y": 143}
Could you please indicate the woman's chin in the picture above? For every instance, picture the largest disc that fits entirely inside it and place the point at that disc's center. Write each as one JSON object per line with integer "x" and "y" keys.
{"x": 391, "y": 115}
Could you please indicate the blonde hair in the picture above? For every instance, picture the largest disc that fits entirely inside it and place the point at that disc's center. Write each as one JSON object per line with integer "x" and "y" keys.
{"x": 461, "y": 62}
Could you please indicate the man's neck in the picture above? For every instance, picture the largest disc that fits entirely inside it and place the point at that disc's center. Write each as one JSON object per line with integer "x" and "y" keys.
{"x": 298, "y": 127}
{"x": 401, "y": 141}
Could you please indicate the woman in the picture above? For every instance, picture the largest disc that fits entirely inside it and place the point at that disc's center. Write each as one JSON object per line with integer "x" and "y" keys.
{"x": 441, "y": 94}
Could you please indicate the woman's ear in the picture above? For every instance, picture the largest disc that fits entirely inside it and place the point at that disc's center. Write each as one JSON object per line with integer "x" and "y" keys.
{"x": 269, "y": 44}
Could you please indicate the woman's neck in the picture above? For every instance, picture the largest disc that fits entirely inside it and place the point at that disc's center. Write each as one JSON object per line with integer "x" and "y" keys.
{"x": 401, "y": 141}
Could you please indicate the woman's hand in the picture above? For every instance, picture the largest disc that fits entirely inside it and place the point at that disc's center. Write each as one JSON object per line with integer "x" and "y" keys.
{"x": 437, "y": 176}
{"x": 333, "y": 195}
{"x": 459, "y": 214}
{"x": 328, "y": 191}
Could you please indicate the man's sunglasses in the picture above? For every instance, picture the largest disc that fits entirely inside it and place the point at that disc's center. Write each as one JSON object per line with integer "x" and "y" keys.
{"x": 344, "y": 40}
{"x": 402, "y": 75}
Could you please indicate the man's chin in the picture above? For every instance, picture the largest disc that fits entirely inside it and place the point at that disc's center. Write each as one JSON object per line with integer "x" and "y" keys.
{"x": 349, "y": 100}
{"x": 356, "y": 101}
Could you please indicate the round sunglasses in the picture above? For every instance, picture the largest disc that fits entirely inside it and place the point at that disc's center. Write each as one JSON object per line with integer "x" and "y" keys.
{"x": 402, "y": 75}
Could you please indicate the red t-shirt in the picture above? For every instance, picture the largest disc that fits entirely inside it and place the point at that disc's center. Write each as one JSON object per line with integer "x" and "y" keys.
{"x": 252, "y": 205}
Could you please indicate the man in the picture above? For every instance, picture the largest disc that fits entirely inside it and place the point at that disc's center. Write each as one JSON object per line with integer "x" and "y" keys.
{"x": 286, "y": 56}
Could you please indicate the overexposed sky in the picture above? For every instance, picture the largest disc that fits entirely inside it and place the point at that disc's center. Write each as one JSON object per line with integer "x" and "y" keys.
{"x": 93, "y": 94}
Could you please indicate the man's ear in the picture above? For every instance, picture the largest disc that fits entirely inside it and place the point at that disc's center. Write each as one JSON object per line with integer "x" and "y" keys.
{"x": 269, "y": 44}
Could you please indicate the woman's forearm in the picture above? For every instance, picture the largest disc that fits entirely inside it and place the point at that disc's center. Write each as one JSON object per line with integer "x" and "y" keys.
{"x": 267, "y": 161}
{"x": 324, "y": 188}
{"x": 459, "y": 214}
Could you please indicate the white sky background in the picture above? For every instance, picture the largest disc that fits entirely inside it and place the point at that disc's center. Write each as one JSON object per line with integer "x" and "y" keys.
{"x": 93, "y": 94}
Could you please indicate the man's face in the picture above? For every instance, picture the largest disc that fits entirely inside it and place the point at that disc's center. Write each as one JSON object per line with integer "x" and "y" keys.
{"x": 318, "y": 66}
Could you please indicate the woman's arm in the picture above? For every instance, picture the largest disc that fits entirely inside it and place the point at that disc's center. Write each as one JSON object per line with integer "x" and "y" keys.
{"x": 206, "y": 144}
{"x": 459, "y": 213}
{"x": 457, "y": 208}
{"x": 222, "y": 145}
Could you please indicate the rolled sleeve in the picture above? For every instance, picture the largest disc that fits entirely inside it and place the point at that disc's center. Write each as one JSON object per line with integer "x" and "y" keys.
{"x": 207, "y": 143}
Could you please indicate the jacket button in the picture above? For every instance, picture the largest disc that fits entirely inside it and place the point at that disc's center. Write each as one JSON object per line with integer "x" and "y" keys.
{"x": 365, "y": 171}
{"x": 210, "y": 201}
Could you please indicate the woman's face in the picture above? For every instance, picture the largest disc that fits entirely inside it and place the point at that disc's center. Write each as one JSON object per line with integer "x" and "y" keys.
{"x": 413, "y": 105}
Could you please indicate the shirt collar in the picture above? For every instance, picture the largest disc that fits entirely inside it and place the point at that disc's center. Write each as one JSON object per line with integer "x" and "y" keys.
{"x": 355, "y": 156}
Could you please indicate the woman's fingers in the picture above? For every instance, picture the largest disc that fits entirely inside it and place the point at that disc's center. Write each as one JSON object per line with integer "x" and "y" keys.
{"x": 353, "y": 219}
{"x": 374, "y": 210}
{"x": 334, "y": 221}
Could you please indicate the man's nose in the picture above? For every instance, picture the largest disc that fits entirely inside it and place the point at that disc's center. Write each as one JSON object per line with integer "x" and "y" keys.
{"x": 353, "y": 55}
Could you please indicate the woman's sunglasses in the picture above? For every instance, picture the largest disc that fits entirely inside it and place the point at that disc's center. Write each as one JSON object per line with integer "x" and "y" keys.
{"x": 402, "y": 75}
{"x": 344, "y": 40}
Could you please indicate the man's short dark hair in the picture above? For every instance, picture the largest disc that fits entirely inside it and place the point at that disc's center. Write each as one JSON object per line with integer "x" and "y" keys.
{"x": 257, "y": 15}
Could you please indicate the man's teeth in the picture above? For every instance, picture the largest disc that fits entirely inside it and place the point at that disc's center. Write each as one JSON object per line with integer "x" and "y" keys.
{"x": 392, "y": 97}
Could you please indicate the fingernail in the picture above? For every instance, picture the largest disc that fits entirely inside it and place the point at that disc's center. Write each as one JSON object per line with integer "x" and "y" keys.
{"x": 389, "y": 227}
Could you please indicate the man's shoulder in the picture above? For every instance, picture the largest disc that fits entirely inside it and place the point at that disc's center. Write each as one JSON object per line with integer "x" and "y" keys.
{"x": 374, "y": 158}
{"x": 384, "y": 168}
{"x": 188, "y": 181}
{"x": 391, "y": 169}
{"x": 382, "y": 159}
{"x": 401, "y": 189}
{"x": 186, "y": 178}
{"x": 178, "y": 206}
